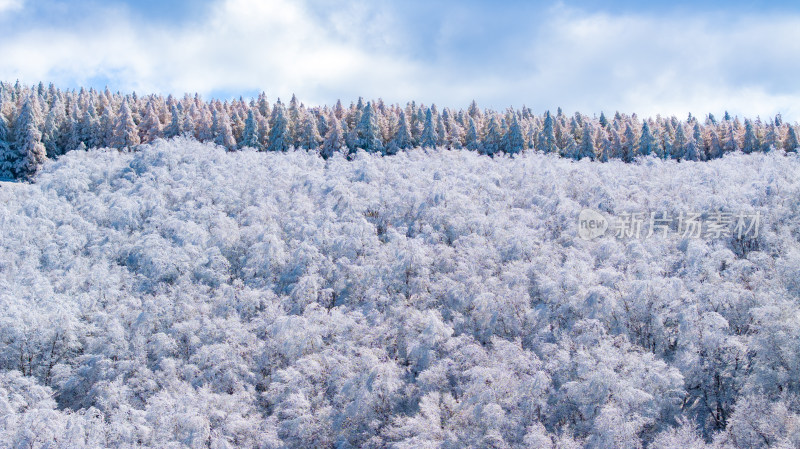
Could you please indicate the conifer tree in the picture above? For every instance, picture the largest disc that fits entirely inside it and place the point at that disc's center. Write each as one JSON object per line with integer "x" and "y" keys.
{"x": 587, "y": 148}
{"x": 771, "y": 139}
{"x": 604, "y": 146}
{"x": 493, "y": 137}
{"x": 309, "y": 137}
{"x": 629, "y": 145}
{"x": 52, "y": 128}
{"x": 27, "y": 152}
{"x": 790, "y": 144}
{"x": 714, "y": 146}
{"x": 647, "y": 141}
{"x": 279, "y": 138}
{"x": 693, "y": 150}
{"x": 174, "y": 128}
{"x": 547, "y": 137}
{"x": 514, "y": 141}
{"x": 6, "y": 162}
{"x": 402, "y": 138}
{"x": 150, "y": 127}
{"x": 250, "y": 133}
{"x": 679, "y": 143}
{"x": 750, "y": 142}
{"x": 368, "y": 131}
{"x": 603, "y": 120}
{"x": 334, "y": 139}
{"x": 472, "y": 141}
{"x": 126, "y": 133}
{"x": 223, "y": 134}
{"x": 428, "y": 137}
{"x": 571, "y": 149}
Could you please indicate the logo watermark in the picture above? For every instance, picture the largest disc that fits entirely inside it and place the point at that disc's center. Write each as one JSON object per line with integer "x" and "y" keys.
{"x": 643, "y": 225}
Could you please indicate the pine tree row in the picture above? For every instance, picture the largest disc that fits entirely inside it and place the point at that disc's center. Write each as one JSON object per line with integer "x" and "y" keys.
{"x": 41, "y": 122}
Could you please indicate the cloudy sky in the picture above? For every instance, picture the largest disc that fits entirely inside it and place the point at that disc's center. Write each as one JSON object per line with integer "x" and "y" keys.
{"x": 589, "y": 56}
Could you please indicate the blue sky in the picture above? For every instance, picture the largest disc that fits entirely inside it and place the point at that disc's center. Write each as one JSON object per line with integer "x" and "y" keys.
{"x": 589, "y": 56}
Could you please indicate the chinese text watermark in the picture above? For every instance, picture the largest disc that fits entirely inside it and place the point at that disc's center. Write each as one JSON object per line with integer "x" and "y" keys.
{"x": 643, "y": 225}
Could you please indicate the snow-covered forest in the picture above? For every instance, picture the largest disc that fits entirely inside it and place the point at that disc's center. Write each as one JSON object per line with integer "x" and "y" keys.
{"x": 182, "y": 295}
{"x": 41, "y": 122}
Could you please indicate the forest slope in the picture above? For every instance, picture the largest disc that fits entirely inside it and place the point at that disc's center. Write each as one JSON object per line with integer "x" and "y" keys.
{"x": 185, "y": 295}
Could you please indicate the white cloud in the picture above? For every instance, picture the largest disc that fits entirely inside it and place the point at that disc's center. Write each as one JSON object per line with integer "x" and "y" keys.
{"x": 275, "y": 45}
{"x": 11, "y": 5}
{"x": 587, "y": 62}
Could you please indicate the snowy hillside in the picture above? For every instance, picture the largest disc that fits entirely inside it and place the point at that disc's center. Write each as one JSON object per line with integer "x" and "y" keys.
{"x": 185, "y": 296}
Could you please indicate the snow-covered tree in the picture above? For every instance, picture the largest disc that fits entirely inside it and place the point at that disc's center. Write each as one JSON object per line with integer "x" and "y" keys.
{"x": 27, "y": 152}
{"x": 547, "y": 137}
{"x": 750, "y": 142}
{"x": 402, "y": 138}
{"x": 492, "y": 138}
{"x": 513, "y": 141}
{"x": 428, "y": 138}
{"x": 791, "y": 143}
{"x": 221, "y": 128}
{"x": 250, "y": 134}
{"x": 308, "y": 133}
{"x": 647, "y": 141}
{"x": 334, "y": 140}
{"x": 368, "y": 131}
{"x": 279, "y": 135}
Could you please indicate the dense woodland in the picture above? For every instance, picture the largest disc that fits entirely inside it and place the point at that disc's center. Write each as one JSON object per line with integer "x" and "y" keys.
{"x": 183, "y": 295}
{"x": 44, "y": 122}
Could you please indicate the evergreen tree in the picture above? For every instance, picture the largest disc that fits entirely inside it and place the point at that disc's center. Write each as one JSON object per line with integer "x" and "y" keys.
{"x": 679, "y": 143}
{"x": 666, "y": 141}
{"x": 455, "y": 139}
{"x": 108, "y": 121}
{"x": 472, "y": 140}
{"x": 368, "y": 131}
{"x": 715, "y": 146}
{"x": 514, "y": 141}
{"x": 428, "y": 137}
{"x": 402, "y": 138}
{"x": 474, "y": 111}
{"x": 547, "y": 137}
{"x": 27, "y": 152}
{"x": 771, "y": 139}
{"x": 729, "y": 143}
{"x": 604, "y": 146}
{"x": 204, "y": 124}
{"x": 263, "y": 130}
{"x": 334, "y": 140}
{"x": 441, "y": 132}
{"x": 89, "y": 126}
{"x": 603, "y": 120}
{"x": 629, "y": 145}
{"x": 150, "y": 127}
{"x": 6, "y": 161}
{"x": 493, "y": 137}
{"x": 293, "y": 119}
{"x": 223, "y": 134}
{"x": 587, "y": 148}
{"x": 250, "y": 136}
{"x": 571, "y": 148}
{"x": 647, "y": 142}
{"x": 309, "y": 137}
{"x": 126, "y": 133}
{"x": 174, "y": 128}
{"x": 750, "y": 142}
{"x": 791, "y": 143}
{"x": 52, "y": 129}
{"x": 693, "y": 150}
{"x": 279, "y": 138}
